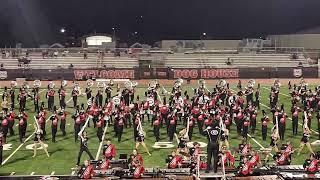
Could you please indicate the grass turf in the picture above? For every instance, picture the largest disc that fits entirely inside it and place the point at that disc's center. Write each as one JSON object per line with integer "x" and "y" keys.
{"x": 64, "y": 152}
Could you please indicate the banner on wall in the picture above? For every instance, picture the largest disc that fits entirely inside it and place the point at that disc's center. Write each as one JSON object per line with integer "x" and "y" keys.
{"x": 297, "y": 73}
{"x": 3, "y": 74}
{"x": 106, "y": 74}
{"x": 205, "y": 73}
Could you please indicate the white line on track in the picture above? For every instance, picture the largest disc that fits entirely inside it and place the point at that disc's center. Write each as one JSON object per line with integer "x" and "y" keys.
{"x": 32, "y": 173}
{"x": 21, "y": 145}
{"x": 73, "y": 172}
{"x": 11, "y": 174}
{"x": 100, "y": 146}
{"x": 52, "y": 173}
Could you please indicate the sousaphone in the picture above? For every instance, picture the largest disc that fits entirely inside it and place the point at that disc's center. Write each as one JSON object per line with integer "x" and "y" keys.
{"x": 221, "y": 83}
{"x": 89, "y": 83}
{"x": 13, "y": 84}
{"x": 64, "y": 83}
{"x": 51, "y": 85}
{"x": 36, "y": 83}
{"x": 251, "y": 83}
{"x": 130, "y": 84}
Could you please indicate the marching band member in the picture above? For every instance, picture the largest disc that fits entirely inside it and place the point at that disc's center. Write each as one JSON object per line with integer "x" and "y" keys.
{"x": 22, "y": 98}
{"x": 86, "y": 170}
{"x": 174, "y": 160}
{"x": 226, "y": 157}
{"x": 305, "y": 140}
{"x": 140, "y": 139}
{"x": 88, "y": 90}
{"x": 54, "y": 124}
{"x": 99, "y": 98}
{"x": 77, "y": 125}
{"x": 137, "y": 170}
{"x": 264, "y": 125}
{"x": 245, "y": 168}
{"x": 62, "y": 97}
{"x": 213, "y": 134}
{"x": 11, "y": 116}
{"x": 108, "y": 90}
{"x": 157, "y": 126}
{"x": 274, "y": 139}
{"x": 5, "y": 106}
{"x": 42, "y": 120}
{"x": 22, "y": 117}
{"x": 311, "y": 165}
{"x": 83, "y": 146}
{"x": 244, "y": 149}
{"x": 295, "y": 118}
{"x": 99, "y": 126}
{"x": 12, "y": 96}
{"x": 50, "y": 96}
{"x": 134, "y": 157}
{"x": 109, "y": 150}
{"x": 38, "y": 138}
{"x": 4, "y": 127}
{"x": 36, "y": 98}
{"x": 2, "y": 142}
{"x": 63, "y": 117}
{"x": 75, "y": 93}
{"x": 119, "y": 123}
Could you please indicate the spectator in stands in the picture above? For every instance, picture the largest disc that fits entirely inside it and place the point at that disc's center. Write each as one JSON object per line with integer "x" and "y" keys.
{"x": 55, "y": 54}
{"x": 27, "y": 53}
{"x": 228, "y": 62}
{"x": 71, "y": 66}
{"x": 85, "y": 54}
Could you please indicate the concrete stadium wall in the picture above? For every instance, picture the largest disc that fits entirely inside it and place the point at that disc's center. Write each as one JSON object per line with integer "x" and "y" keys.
{"x": 208, "y": 44}
{"x": 308, "y": 41}
{"x": 161, "y": 73}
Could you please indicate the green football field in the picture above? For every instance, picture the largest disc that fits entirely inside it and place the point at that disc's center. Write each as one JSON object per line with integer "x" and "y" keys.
{"x": 18, "y": 158}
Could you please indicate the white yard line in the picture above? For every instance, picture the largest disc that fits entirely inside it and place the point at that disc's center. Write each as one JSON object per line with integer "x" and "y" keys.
{"x": 11, "y": 174}
{"x": 279, "y": 92}
{"x": 32, "y": 173}
{"x": 73, "y": 172}
{"x": 52, "y": 173}
{"x": 21, "y": 145}
{"x": 100, "y": 146}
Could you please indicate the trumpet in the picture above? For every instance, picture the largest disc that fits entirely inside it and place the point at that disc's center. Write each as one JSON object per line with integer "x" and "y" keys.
{"x": 36, "y": 83}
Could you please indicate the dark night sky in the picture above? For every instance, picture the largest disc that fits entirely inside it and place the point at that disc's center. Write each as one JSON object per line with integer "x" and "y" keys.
{"x": 38, "y": 21}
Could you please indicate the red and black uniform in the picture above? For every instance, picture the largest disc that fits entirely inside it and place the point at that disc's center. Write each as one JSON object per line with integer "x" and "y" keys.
{"x": 282, "y": 125}
{"x": 191, "y": 125}
{"x": 245, "y": 169}
{"x": 2, "y": 142}
{"x": 100, "y": 125}
{"x": 156, "y": 128}
{"x": 253, "y": 122}
{"x": 50, "y": 97}
{"x": 239, "y": 120}
{"x": 11, "y": 116}
{"x": 243, "y": 150}
{"x": 54, "y": 126}
{"x": 311, "y": 166}
{"x": 282, "y": 158}
{"x": 245, "y": 127}
{"x": 86, "y": 172}
{"x": 77, "y": 126}
{"x": 36, "y": 98}
{"x": 74, "y": 94}
{"x": 137, "y": 171}
{"x": 172, "y": 126}
{"x": 254, "y": 160}
{"x": 63, "y": 117}
{"x": 295, "y": 119}
{"x": 105, "y": 164}
{"x": 196, "y": 114}
{"x": 22, "y": 98}
{"x": 119, "y": 123}
{"x": 174, "y": 161}
{"x": 4, "y": 127}
{"x": 109, "y": 151}
{"x": 22, "y": 127}
{"x": 228, "y": 159}
{"x": 42, "y": 121}
{"x": 264, "y": 127}
{"x": 62, "y": 97}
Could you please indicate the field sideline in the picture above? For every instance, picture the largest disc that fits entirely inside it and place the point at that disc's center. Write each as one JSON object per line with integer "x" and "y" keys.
{"x": 64, "y": 152}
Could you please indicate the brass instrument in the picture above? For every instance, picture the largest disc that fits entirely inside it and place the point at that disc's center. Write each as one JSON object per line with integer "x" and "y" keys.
{"x": 25, "y": 85}
{"x": 130, "y": 84}
{"x": 89, "y": 83}
{"x": 64, "y": 83}
{"x": 51, "y": 85}
{"x": 101, "y": 85}
{"x": 251, "y": 83}
{"x": 221, "y": 83}
{"x": 178, "y": 83}
{"x": 36, "y": 83}
{"x": 13, "y": 84}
